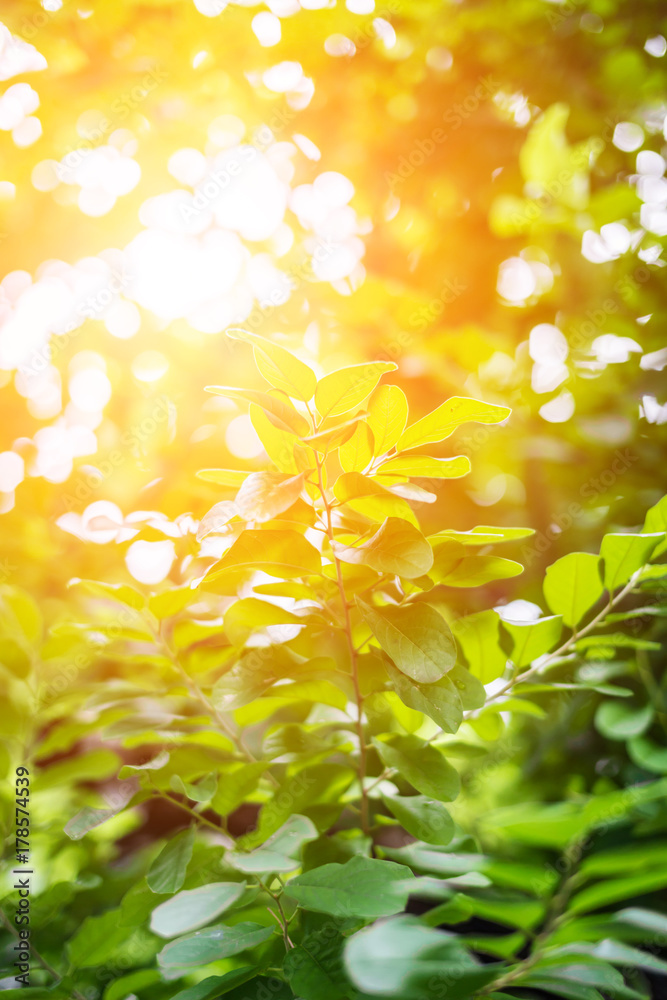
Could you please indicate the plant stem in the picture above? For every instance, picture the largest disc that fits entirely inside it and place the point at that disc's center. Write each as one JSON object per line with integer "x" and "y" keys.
{"x": 280, "y": 915}
{"x": 365, "y": 826}
{"x": 195, "y": 815}
{"x": 33, "y": 951}
{"x": 566, "y": 646}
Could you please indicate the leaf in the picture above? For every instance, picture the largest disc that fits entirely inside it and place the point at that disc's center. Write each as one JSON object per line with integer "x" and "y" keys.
{"x": 280, "y": 553}
{"x": 120, "y": 592}
{"x": 279, "y": 445}
{"x": 193, "y": 908}
{"x": 483, "y": 534}
{"x": 532, "y": 639}
{"x": 96, "y": 939}
{"x": 624, "y": 554}
{"x": 222, "y": 477}
{"x": 261, "y": 862}
{"x": 279, "y": 366}
{"x": 266, "y": 494}
{"x": 619, "y": 721}
{"x": 443, "y": 421}
{"x": 213, "y": 986}
{"x": 622, "y": 954}
{"x": 237, "y": 781}
{"x": 475, "y": 571}
{"x": 87, "y": 819}
{"x": 279, "y": 411}
{"x": 171, "y": 601}
{"x": 292, "y": 835}
{"x": 362, "y": 887}
{"x": 572, "y": 586}
{"x": 167, "y": 872}
{"x": 424, "y": 818}
{"x": 440, "y": 701}
{"x": 357, "y": 452}
{"x": 421, "y": 466}
{"x": 314, "y": 968}
{"x": 479, "y": 638}
{"x": 416, "y": 637}
{"x": 371, "y": 499}
{"x": 387, "y": 417}
{"x": 420, "y": 764}
{"x": 403, "y": 958}
{"x": 397, "y": 548}
{"x": 15, "y": 658}
{"x": 212, "y": 945}
{"x": 245, "y": 617}
{"x": 346, "y": 388}
{"x": 647, "y": 754}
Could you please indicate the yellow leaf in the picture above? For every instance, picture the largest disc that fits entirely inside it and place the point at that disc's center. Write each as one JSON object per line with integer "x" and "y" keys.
{"x": 279, "y": 410}
{"x": 279, "y": 366}
{"x": 346, "y": 388}
{"x": 425, "y": 467}
{"x": 443, "y": 421}
{"x": 357, "y": 453}
{"x": 387, "y": 416}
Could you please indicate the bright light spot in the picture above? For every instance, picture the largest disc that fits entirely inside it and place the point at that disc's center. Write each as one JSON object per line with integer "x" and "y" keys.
{"x": 226, "y": 130}
{"x": 12, "y": 470}
{"x": 90, "y": 390}
{"x": 44, "y": 175}
{"x": 612, "y": 241}
{"x": 17, "y": 56}
{"x": 360, "y": 6}
{"x": 199, "y": 58}
{"x": 333, "y": 188}
{"x": 284, "y": 8}
{"x": 339, "y": 45}
{"x": 267, "y": 28}
{"x": 7, "y": 190}
{"x": 149, "y": 366}
{"x": 610, "y": 349}
{"x": 307, "y": 146}
{"x": 558, "y": 410}
{"x": 519, "y": 611}
{"x": 241, "y": 438}
{"x": 655, "y": 361}
{"x": 385, "y": 32}
{"x": 547, "y": 344}
{"x": 187, "y": 165}
{"x": 516, "y": 280}
{"x": 652, "y": 411}
{"x": 656, "y": 46}
{"x": 650, "y": 163}
{"x": 283, "y": 77}
{"x": 211, "y": 8}
{"x": 628, "y": 136}
{"x": 439, "y": 58}
{"x": 122, "y": 319}
{"x": 150, "y": 562}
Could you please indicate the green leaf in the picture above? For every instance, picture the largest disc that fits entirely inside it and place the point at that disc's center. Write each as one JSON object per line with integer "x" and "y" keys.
{"x": 397, "y": 548}
{"x": 424, "y": 818}
{"x": 279, "y": 366}
{"x": 572, "y": 586}
{"x": 96, "y": 939}
{"x": 479, "y": 638}
{"x": 532, "y": 639}
{"x": 261, "y": 862}
{"x": 443, "y": 421}
{"x": 416, "y": 637}
{"x": 214, "y": 986}
{"x": 15, "y": 658}
{"x": 624, "y": 554}
{"x": 292, "y": 835}
{"x": 619, "y": 721}
{"x": 613, "y": 890}
{"x": 403, "y": 958}
{"x": 193, "y": 908}
{"x": 314, "y": 968}
{"x": 647, "y": 754}
{"x": 167, "y": 873}
{"x": 387, "y": 416}
{"x": 277, "y": 408}
{"x": 96, "y": 765}
{"x": 279, "y": 553}
{"x": 484, "y": 534}
{"x": 87, "y": 819}
{"x": 424, "y": 467}
{"x": 362, "y": 887}
{"x": 421, "y": 765}
{"x": 237, "y": 781}
{"x": 440, "y": 701}
{"x": 475, "y": 571}
{"x": 212, "y": 945}
{"x": 342, "y": 390}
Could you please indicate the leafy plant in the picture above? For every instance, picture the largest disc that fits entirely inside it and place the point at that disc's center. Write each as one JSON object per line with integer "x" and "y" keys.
{"x": 296, "y": 701}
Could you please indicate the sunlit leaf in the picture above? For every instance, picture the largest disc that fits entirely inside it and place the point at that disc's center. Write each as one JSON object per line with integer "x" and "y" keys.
{"x": 279, "y": 366}
{"x": 443, "y": 421}
{"x": 396, "y": 548}
{"x": 278, "y": 409}
{"x": 387, "y": 417}
{"x": 416, "y": 637}
{"x": 342, "y": 390}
